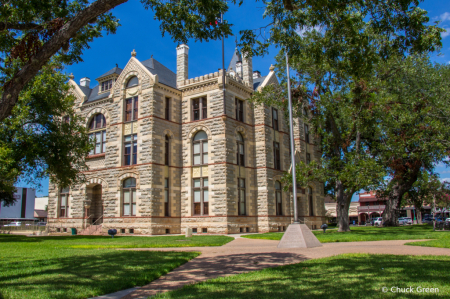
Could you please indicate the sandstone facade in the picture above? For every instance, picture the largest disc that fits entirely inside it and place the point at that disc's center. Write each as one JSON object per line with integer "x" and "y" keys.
{"x": 102, "y": 198}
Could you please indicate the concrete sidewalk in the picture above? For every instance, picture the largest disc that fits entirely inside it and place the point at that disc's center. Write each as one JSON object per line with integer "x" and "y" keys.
{"x": 244, "y": 255}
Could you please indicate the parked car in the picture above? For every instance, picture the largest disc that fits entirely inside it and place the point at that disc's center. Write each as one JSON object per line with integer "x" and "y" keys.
{"x": 41, "y": 223}
{"x": 447, "y": 220}
{"x": 404, "y": 220}
{"x": 427, "y": 220}
{"x": 14, "y": 224}
{"x": 378, "y": 221}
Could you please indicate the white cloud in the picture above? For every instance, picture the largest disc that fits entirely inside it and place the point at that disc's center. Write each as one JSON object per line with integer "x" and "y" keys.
{"x": 445, "y": 16}
{"x": 446, "y": 33}
{"x": 301, "y": 32}
{"x": 445, "y": 180}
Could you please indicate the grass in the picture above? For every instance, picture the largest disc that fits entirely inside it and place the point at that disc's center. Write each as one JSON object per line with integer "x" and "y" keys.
{"x": 442, "y": 242}
{"x": 343, "y": 276}
{"x": 371, "y": 233}
{"x": 87, "y": 266}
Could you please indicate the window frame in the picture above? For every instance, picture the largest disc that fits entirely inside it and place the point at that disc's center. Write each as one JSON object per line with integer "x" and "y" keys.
{"x": 202, "y": 108}
{"x": 64, "y": 192}
{"x": 278, "y": 193}
{"x": 239, "y": 109}
{"x": 240, "y": 199}
{"x": 133, "y": 111}
{"x": 167, "y": 150}
{"x": 240, "y": 157}
{"x": 201, "y": 153}
{"x": 133, "y": 198}
{"x": 106, "y": 85}
{"x": 308, "y": 158}
{"x": 94, "y": 129}
{"x": 202, "y": 206}
{"x": 167, "y": 109}
{"x": 306, "y": 128}
{"x": 166, "y": 197}
{"x": 310, "y": 200}
{"x": 133, "y": 150}
{"x": 275, "y": 120}
{"x": 276, "y": 156}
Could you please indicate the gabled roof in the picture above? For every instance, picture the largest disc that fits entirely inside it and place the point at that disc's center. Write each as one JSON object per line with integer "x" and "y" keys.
{"x": 85, "y": 90}
{"x": 258, "y": 81}
{"x": 115, "y": 70}
{"x": 236, "y": 57}
{"x": 165, "y": 76}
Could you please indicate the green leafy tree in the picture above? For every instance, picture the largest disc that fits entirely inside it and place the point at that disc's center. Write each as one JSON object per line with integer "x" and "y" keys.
{"x": 414, "y": 110}
{"x": 43, "y": 137}
{"x": 34, "y": 32}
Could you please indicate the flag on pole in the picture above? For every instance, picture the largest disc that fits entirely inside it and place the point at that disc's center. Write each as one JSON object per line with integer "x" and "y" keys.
{"x": 217, "y": 21}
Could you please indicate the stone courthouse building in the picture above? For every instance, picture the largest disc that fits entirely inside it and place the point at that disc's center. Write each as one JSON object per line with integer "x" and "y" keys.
{"x": 171, "y": 153}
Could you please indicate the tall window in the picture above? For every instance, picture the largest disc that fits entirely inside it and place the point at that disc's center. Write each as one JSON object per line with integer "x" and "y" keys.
{"x": 307, "y": 133}
{"x": 166, "y": 197}
{"x": 107, "y": 85}
{"x": 240, "y": 156}
{"x": 64, "y": 202}
{"x": 98, "y": 125}
{"x": 131, "y": 109}
{"x": 130, "y": 150}
{"x": 308, "y": 158}
{"x": 167, "y": 109}
{"x": 166, "y": 151}
{"x": 276, "y": 155}
{"x": 129, "y": 197}
{"x": 278, "y": 198}
{"x": 199, "y": 108}
{"x": 310, "y": 198}
{"x": 201, "y": 196}
{"x": 239, "y": 110}
{"x": 305, "y": 113}
{"x": 275, "y": 119}
{"x": 241, "y": 197}
{"x": 200, "y": 149}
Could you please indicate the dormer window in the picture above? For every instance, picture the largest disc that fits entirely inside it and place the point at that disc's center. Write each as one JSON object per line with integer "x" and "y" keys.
{"x": 107, "y": 85}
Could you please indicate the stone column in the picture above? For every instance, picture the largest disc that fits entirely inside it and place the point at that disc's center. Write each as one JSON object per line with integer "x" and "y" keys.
{"x": 247, "y": 70}
{"x": 182, "y": 64}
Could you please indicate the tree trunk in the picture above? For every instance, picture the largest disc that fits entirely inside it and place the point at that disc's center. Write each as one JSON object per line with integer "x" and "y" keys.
{"x": 390, "y": 214}
{"x": 342, "y": 207}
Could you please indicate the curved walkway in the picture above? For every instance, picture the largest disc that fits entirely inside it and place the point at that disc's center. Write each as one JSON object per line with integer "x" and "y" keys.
{"x": 244, "y": 255}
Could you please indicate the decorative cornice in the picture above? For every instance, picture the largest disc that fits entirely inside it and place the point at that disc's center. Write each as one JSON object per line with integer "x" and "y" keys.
{"x": 95, "y": 103}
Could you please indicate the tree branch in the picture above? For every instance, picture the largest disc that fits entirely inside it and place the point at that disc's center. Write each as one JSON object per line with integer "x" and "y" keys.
{"x": 12, "y": 88}
{"x": 19, "y": 26}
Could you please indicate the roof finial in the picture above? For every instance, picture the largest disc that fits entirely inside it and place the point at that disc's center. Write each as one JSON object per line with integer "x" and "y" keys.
{"x": 151, "y": 56}
{"x": 133, "y": 53}
{"x": 271, "y": 68}
{"x": 117, "y": 65}
{"x": 71, "y": 76}
{"x": 236, "y": 42}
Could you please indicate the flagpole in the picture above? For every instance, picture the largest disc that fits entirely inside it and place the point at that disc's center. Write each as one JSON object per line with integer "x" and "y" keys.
{"x": 223, "y": 69}
{"x": 291, "y": 134}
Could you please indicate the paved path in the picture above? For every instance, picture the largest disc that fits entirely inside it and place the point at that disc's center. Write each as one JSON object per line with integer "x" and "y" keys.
{"x": 244, "y": 255}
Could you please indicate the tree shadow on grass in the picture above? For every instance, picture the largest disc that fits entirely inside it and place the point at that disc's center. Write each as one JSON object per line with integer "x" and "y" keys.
{"x": 88, "y": 273}
{"x": 345, "y": 276}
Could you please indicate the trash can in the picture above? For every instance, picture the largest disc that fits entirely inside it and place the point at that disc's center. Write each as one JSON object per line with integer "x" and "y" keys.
{"x": 74, "y": 231}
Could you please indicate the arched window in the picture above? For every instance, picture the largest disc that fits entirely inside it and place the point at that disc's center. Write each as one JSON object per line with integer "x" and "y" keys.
{"x": 241, "y": 197}
{"x": 240, "y": 155}
{"x": 166, "y": 151}
{"x": 97, "y": 126}
{"x": 310, "y": 198}
{"x": 64, "y": 202}
{"x": 305, "y": 112}
{"x": 200, "y": 150}
{"x": 129, "y": 197}
{"x": 134, "y": 81}
{"x": 278, "y": 198}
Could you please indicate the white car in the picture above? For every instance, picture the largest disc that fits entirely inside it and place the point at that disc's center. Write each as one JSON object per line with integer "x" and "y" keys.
{"x": 14, "y": 224}
{"x": 404, "y": 220}
{"x": 378, "y": 221}
{"x": 447, "y": 220}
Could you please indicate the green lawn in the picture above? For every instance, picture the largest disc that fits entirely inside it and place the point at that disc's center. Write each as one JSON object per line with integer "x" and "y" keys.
{"x": 442, "y": 242}
{"x": 87, "y": 266}
{"x": 370, "y": 233}
{"x": 343, "y": 276}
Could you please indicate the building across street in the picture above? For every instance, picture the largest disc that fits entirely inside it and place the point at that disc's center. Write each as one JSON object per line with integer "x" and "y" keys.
{"x": 171, "y": 153}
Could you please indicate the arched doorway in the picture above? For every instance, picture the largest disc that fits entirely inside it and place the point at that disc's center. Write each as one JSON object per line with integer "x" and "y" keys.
{"x": 94, "y": 210}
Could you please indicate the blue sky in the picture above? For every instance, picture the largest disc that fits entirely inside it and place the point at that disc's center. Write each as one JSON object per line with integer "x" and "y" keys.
{"x": 141, "y": 32}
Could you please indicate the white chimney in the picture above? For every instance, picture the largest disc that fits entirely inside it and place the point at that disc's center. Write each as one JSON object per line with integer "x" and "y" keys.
{"x": 182, "y": 64}
{"x": 256, "y": 74}
{"x": 85, "y": 82}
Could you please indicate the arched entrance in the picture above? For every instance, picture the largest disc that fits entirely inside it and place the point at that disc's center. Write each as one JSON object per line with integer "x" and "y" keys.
{"x": 94, "y": 206}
